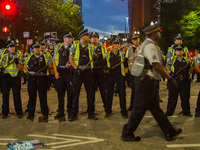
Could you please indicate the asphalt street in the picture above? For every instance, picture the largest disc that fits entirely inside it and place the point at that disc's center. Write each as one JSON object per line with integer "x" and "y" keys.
{"x": 103, "y": 134}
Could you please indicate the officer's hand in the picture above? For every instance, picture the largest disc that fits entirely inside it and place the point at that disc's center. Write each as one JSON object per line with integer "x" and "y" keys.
{"x": 78, "y": 71}
{"x": 16, "y": 61}
{"x": 68, "y": 65}
{"x": 57, "y": 75}
{"x": 28, "y": 75}
{"x": 173, "y": 82}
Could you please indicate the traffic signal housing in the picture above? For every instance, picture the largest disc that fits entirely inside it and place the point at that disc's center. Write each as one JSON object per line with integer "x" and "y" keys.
{"x": 5, "y": 29}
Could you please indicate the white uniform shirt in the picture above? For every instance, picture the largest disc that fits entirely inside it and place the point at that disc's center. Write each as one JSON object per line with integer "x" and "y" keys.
{"x": 153, "y": 54}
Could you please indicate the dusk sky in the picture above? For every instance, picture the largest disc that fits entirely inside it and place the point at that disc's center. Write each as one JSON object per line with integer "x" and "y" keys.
{"x": 101, "y": 15}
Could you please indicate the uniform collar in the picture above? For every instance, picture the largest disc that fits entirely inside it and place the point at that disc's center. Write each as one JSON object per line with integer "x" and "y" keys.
{"x": 150, "y": 40}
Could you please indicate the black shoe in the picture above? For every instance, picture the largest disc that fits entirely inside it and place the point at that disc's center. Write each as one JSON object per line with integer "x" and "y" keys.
{"x": 170, "y": 137}
{"x": 131, "y": 138}
{"x": 125, "y": 115}
{"x": 30, "y": 118}
{"x": 59, "y": 115}
{"x": 26, "y": 110}
{"x": 20, "y": 116}
{"x": 160, "y": 100}
{"x": 108, "y": 115}
{"x": 197, "y": 114}
{"x": 72, "y": 118}
{"x": 187, "y": 114}
{"x": 130, "y": 108}
{"x": 92, "y": 117}
{"x": 4, "y": 116}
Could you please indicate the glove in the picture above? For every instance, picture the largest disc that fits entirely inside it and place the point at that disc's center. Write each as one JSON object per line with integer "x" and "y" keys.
{"x": 172, "y": 74}
{"x": 28, "y": 75}
{"x": 173, "y": 82}
{"x": 188, "y": 65}
{"x": 16, "y": 61}
{"x": 78, "y": 71}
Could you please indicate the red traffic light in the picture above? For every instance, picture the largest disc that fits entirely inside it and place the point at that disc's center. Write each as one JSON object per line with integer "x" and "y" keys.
{"x": 8, "y": 7}
{"x": 5, "y": 29}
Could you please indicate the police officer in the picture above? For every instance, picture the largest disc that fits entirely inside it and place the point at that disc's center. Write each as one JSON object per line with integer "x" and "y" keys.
{"x": 146, "y": 97}
{"x": 197, "y": 68}
{"x": 99, "y": 58}
{"x": 116, "y": 74}
{"x": 36, "y": 66}
{"x": 51, "y": 49}
{"x": 10, "y": 65}
{"x": 179, "y": 67}
{"x": 131, "y": 55}
{"x": 178, "y": 39}
{"x": 81, "y": 60}
{"x": 63, "y": 75}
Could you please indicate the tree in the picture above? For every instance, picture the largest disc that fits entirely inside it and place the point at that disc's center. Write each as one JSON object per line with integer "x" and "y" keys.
{"x": 190, "y": 25}
{"x": 39, "y": 16}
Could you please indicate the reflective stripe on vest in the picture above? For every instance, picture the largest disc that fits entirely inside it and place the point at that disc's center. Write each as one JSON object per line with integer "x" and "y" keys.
{"x": 173, "y": 60}
{"x": 57, "y": 54}
{"x": 122, "y": 65}
{"x": 12, "y": 69}
{"x": 77, "y": 53}
{"x": 25, "y": 65}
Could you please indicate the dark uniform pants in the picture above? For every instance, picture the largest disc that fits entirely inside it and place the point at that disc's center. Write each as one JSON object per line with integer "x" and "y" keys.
{"x": 88, "y": 79}
{"x": 146, "y": 98}
{"x": 110, "y": 82}
{"x": 132, "y": 90}
{"x": 101, "y": 82}
{"x": 14, "y": 83}
{"x": 63, "y": 84}
{"x": 184, "y": 90}
{"x": 39, "y": 84}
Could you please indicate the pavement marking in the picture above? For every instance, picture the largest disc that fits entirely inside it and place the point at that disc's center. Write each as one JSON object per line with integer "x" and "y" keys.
{"x": 152, "y": 116}
{"x": 75, "y": 144}
{"x": 63, "y": 142}
{"x": 73, "y": 136}
{"x": 183, "y": 145}
{"x": 7, "y": 139}
{"x": 69, "y": 140}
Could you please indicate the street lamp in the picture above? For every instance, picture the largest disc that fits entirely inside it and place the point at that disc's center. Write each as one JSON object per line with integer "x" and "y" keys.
{"x": 127, "y": 26}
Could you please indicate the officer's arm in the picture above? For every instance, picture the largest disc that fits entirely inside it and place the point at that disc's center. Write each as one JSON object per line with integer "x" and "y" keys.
{"x": 71, "y": 60}
{"x": 54, "y": 66}
{"x": 25, "y": 70}
{"x": 161, "y": 70}
{"x": 196, "y": 67}
{"x": 20, "y": 67}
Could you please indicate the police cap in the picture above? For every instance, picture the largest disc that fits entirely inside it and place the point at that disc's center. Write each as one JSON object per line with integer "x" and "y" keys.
{"x": 94, "y": 34}
{"x": 83, "y": 32}
{"x": 42, "y": 42}
{"x": 35, "y": 45}
{"x": 177, "y": 36}
{"x": 178, "y": 47}
{"x": 115, "y": 41}
{"x": 10, "y": 43}
{"x": 135, "y": 36}
{"x": 151, "y": 29}
{"x": 67, "y": 34}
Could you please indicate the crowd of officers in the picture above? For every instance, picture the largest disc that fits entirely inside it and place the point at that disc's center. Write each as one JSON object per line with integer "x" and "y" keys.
{"x": 72, "y": 63}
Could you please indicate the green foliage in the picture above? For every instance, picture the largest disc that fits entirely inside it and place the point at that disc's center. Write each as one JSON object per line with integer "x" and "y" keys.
{"x": 49, "y": 16}
{"x": 190, "y": 26}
